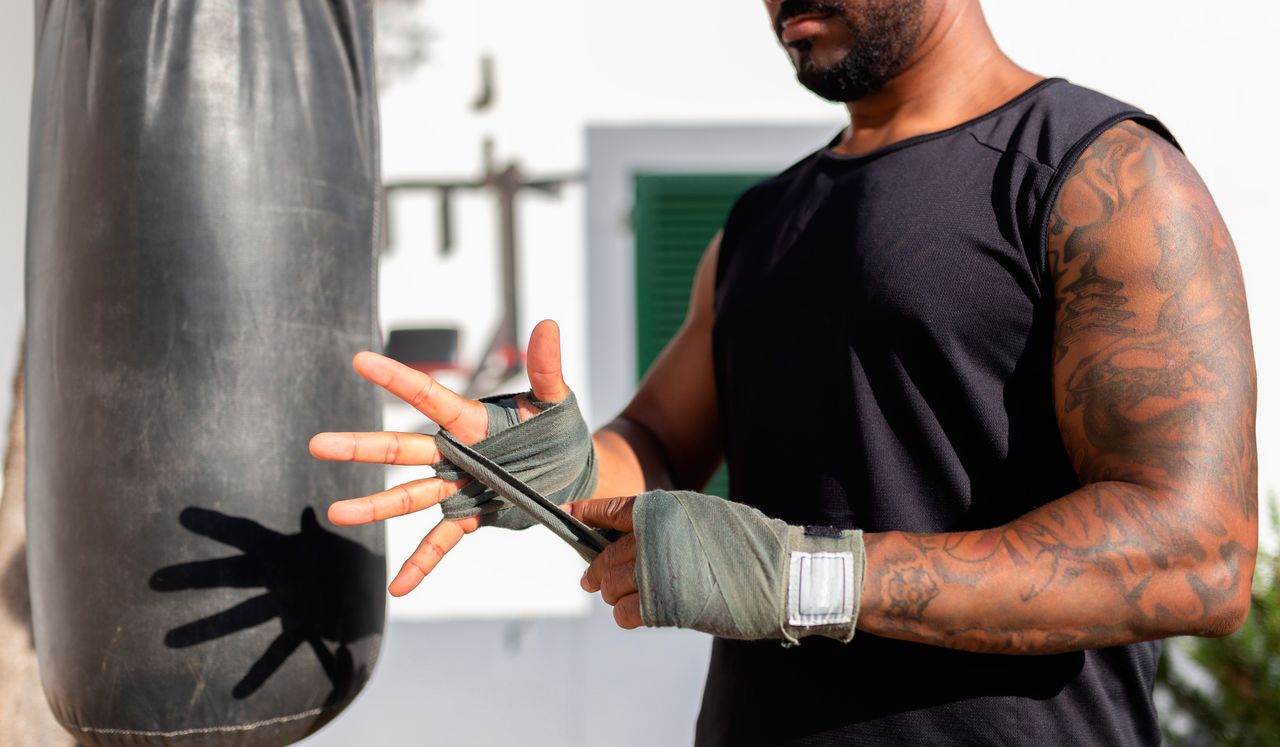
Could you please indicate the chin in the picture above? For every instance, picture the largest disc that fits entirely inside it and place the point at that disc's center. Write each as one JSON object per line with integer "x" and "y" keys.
{"x": 808, "y": 71}
{"x": 819, "y": 54}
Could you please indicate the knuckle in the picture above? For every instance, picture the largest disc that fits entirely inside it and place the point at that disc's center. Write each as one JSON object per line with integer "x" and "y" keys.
{"x": 424, "y": 393}
{"x": 392, "y": 453}
{"x": 417, "y": 565}
{"x": 625, "y": 616}
{"x": 428, "y": 555}
{"x": 436, "y": 550}
{"x": 592, "y": 575}
{"x": 618, "y": 583}
{"x": 606, "y": 556}
{"x": 406, "y": 501}
{"x": 609, "y": 587}
{"x": 448, "y": 421}
{"x": 632, "y": 608}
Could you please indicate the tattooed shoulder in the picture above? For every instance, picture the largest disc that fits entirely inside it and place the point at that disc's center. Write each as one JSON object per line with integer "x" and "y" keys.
{"x": 1153, "y": 360}
{"x": 1154, "y": 389}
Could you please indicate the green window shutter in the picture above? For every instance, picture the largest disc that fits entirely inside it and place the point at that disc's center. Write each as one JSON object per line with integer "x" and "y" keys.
{"x": 674, "y": 218}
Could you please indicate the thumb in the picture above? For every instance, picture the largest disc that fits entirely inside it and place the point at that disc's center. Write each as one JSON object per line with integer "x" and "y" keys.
{"x": 605, "y": 513}
{"x": 546, "y": 377}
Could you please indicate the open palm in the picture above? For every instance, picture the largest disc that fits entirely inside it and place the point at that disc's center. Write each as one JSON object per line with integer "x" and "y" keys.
{"x": 466, "y": 419}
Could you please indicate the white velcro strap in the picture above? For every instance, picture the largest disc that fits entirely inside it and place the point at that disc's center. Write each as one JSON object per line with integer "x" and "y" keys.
{"x": 820, "y": 591}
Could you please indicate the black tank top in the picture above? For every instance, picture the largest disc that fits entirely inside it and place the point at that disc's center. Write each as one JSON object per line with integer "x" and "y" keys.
{"x": 882, "y": 358}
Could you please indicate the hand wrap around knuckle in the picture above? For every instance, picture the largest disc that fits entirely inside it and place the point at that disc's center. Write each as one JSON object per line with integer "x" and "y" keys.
{"x": 552, "y": 453}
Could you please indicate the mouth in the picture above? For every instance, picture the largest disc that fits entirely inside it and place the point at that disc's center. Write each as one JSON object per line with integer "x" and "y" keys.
{"x": 804, "y": 26}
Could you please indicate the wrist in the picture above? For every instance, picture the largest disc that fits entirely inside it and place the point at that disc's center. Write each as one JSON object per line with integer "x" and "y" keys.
{"x": 631, "y": 459}
{"x": 724, "y": 568}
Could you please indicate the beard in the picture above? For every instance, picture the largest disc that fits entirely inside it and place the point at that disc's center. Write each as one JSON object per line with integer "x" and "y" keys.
{"x": 884, "y": 34}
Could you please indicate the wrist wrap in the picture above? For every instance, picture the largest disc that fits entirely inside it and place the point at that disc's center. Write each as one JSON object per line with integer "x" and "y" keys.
{"x": 726, "y": 569}
{"x": 550, "y": 453}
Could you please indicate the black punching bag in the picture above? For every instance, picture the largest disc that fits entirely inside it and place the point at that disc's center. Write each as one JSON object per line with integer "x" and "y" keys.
{"x": 200, "y": 269}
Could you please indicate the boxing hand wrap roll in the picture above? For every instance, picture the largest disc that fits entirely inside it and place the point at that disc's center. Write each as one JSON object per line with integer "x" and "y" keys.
{"x": 550, "y": 452}
{"x": 724, "y": 568}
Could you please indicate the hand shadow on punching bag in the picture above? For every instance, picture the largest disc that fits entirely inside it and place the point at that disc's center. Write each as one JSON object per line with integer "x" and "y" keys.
{"x": 316, "y": 582}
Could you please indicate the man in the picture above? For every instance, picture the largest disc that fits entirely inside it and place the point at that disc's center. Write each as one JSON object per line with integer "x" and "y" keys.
{"x": 987, "y": 359}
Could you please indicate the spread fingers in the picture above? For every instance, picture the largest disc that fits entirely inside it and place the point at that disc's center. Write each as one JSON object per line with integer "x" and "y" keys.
{"x": 438, "y": 542}
{"x": 376, "y": 448}
{"x": 398, "y": 501}
{"x": 462, "y": 417}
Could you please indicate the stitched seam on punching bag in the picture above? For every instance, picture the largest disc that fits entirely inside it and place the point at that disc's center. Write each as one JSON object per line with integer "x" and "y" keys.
{"x": 204, "y": 730}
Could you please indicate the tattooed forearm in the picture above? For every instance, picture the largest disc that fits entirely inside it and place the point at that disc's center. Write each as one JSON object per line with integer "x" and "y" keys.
{"x": 1108, "y": 564}
{"x": 909, "y": 589}
{"x": 1155, "y": 388}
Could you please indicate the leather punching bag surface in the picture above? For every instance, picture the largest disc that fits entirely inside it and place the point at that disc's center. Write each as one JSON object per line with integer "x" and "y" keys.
{"x": 200, "y": 270}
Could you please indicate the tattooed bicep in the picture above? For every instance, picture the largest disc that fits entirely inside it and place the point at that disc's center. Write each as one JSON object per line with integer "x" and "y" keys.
{"x": 1153, "y": 364}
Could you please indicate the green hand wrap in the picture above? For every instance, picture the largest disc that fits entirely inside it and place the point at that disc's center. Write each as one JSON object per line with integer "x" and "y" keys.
{"x": 726, "y": 569}
{"x": 550, "y": 452}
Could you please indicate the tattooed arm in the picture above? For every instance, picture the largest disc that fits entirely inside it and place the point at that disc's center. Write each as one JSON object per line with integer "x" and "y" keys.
{"x": 1155, "y": 388}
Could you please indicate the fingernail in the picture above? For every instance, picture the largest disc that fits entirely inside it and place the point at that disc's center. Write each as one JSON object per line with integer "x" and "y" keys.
{"x": 586, "y": 586}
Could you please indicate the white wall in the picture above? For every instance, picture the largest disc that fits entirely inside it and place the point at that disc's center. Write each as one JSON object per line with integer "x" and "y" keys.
{"x": 16, "y": 41}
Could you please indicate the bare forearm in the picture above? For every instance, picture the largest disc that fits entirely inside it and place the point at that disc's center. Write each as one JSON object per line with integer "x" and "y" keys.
{"x": 630, "y": 460}
{"x": 1108, "y": 564}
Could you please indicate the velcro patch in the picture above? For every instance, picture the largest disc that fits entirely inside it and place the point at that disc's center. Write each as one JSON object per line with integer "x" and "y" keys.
{"x": 817, "y": 530}
{"x": 820, "y": 591}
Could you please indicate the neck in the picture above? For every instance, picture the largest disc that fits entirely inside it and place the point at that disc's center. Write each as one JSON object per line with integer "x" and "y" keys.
{"x": 957, "y": 73}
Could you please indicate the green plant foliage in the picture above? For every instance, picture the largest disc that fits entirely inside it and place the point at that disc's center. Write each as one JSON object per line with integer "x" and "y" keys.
{"x": 1226, "y": 691}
